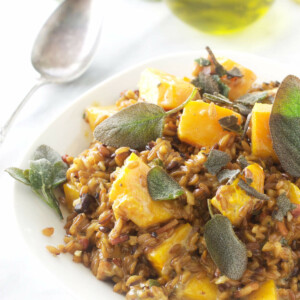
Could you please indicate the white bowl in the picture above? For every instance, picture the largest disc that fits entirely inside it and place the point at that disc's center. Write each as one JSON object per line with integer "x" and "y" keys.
{"x": 68, "y": 134}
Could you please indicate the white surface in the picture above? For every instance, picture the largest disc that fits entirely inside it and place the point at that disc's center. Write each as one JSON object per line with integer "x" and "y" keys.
{"x": 133, "y": 30}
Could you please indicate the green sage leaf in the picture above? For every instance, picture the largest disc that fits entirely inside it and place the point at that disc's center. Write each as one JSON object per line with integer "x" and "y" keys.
{"x": 251, "y": 98}
{"x": 220, "y": 70}
{"x": 136, "y": 125}
{"x": 206, "y": 83}
{"x": 59, "y": 172}
{"x": 284, "y": 206}
{"x": 285, "y": 125}
{"x": 223, "y": 88}
{"x": 228, "y": 175}
{"x": 18, "y": 174}
{"x": 41, "y": 174}
{"x": 230, "y": 123}
{"x": 162, "y": 186}
{"x": 242, "y": 161}
{"x": 133, "y": 126}
{"x": 216, "y": 160}
{"x": 203, "y": 62}
{"x": 251, "y": 191}
{"x": 224, "y": 247}
{"x": 44, "y": 151}
{"x": 217, "y": 98}
{"x": 153, "y": 282}
{"x": 234, "y": 72}
{"x": 243, "y": 109}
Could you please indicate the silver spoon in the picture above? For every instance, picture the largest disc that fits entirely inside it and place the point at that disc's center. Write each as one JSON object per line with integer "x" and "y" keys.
{"x": 64, "y": 47}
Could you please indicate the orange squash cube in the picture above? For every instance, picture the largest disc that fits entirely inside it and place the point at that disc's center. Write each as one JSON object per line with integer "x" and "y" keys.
{"x": 198, "y": 289}
{"x": 199, "y": 125}
{"x": 71, "y": 194}
{"x": 267, "y": 291}
{"x": 130, "y": 197}
{"x": 96, "y": 114}
{"x": 163, "y": 89}
{"x": 161, "y": 256}
{"x": 238, "y": 86}
{"x": 233, "y": 202}
{"x": 260, "y": 133}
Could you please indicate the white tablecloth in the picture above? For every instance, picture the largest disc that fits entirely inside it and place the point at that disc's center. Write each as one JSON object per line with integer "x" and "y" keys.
{"x": 133, "y": 30}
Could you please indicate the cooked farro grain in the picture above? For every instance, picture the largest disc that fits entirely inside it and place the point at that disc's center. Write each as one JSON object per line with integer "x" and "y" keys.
{"x": 168, "y": 259}
{"x": 48, "y": 231}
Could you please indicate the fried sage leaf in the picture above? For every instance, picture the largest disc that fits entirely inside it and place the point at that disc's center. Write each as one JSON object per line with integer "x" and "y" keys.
{"x": 243, "y": 109}
{"x": 46, "y": 172}
{"x": 18, "y": 174}
{"x": 203, "y": 62}
{"x": 285, "y": 125}
{"x": 251, "y": 98}
{"x": 216, "y": 160}
{"x": 252, "y": 191}
{"x": 284, "y": 206}
{"x": 242, "y": 161}
{"x": 206, "y": 83}
{"x": 217, "y": 98}
{"x": 224, "y": 247}
{"x": 153, "y": 282}
{"x": 44, "y": 151}
{"x": 228, "y": 175}
{"x": 230, "y": 123}
{"x": 220, "y": 70}
{"x": 162, "y": 186}
{"x": 135, "y": 125}
{"x": 234, "y": 72}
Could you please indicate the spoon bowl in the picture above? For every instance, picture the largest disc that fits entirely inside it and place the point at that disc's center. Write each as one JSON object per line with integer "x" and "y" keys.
{"x": 67, "y": 42}
{"x": 64, "y": 47}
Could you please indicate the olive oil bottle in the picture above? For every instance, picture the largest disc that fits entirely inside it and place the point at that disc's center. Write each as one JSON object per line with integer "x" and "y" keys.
{"x": 219, "y": 16}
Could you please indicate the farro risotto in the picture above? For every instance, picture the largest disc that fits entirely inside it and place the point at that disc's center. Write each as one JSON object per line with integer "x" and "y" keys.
{"x": 190, "y": 188}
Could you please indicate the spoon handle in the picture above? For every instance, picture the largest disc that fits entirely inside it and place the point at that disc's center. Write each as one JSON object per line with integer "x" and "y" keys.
{"x": 3, "y": 131}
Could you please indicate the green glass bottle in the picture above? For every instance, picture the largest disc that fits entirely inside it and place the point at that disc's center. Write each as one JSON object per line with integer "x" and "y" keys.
{"x": 219, "y": 16}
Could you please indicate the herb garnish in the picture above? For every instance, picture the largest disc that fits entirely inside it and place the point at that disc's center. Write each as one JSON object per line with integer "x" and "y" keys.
{"x": 284, "y": 206}
{"x": 228, "y": 175}
{"x": 224, "y": 247}
{"x": 252, "y": 191}
{"x": 217, "y": 98}
{"x": 242, "y": 161}
{"x": 46, "y": 172}
{"x": 251, "y": 98}
{"x": 243, "y": 109}
{"x": 220, "y": 70}
{"x": 161, "y": 186}
{"x": 285, "y": 125}
{"x": 153, "y": 282}
{"x": 203, "y": 62}
{"x": 135, "y": 125}
{"x": 230, "y": 123}
{"x": 216, "y": 160}
{"x": 247, "y": 123}
{"x": 206, "y": 83}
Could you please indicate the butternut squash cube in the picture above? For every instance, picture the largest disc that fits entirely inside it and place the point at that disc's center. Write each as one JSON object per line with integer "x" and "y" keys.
{"x": 130, "y": 197}
{"x": 163, "y": 89}
{"x": 71, "y": 194}
{"x": 161, "y": 256}
{"x": 267, "y": 291}
{"x": 233, "y": 202}
{"x": 294, "y": 194}
{"x": 238, "y": 86}
{"x": 198, "y": 289}
{"x": 199, "y": 124}
{"x": 260, "y": 135}
{"x": 96, "y": 114}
